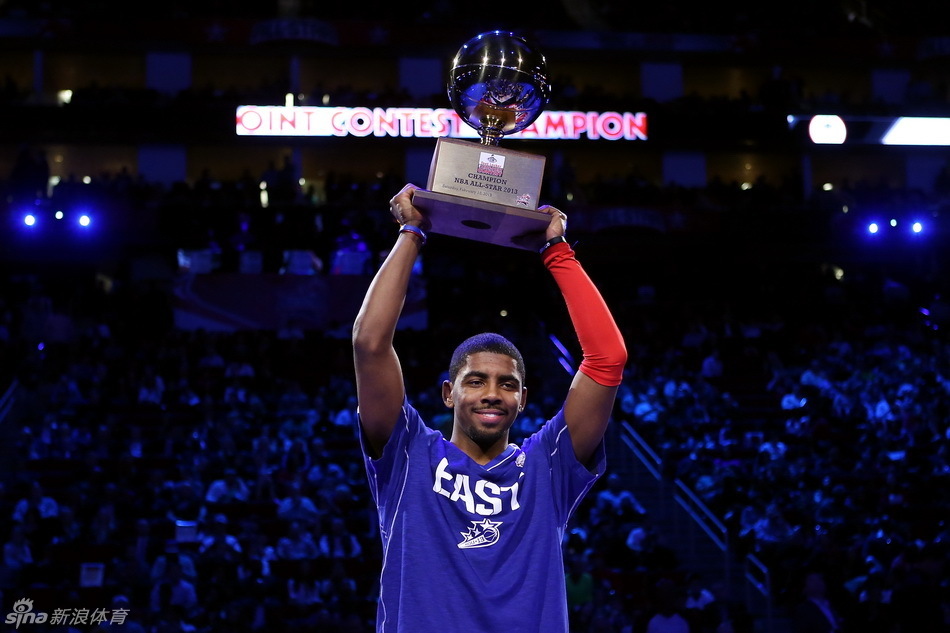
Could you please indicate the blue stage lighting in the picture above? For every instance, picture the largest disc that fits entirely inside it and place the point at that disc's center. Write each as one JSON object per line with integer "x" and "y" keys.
{"x": 873, "y": 228}
{"x": 84, "y": 220}
{"x": 917, "y": 227}
{"x": 29, "y": 219}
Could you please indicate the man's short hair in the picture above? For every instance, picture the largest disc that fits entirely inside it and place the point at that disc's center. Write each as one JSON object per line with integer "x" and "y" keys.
{"x": 485, "y": 342}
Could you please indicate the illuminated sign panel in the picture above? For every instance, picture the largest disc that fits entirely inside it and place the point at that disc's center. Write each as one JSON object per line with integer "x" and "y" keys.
{"x": 824, "y": 129}
{"x": 908, "y": 130}
{"x": 429, "y": 123}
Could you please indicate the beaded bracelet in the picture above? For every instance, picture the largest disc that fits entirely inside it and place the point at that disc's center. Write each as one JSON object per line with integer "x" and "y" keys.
{"x": 409, "y": 228}
{"x": 551, "y": 242}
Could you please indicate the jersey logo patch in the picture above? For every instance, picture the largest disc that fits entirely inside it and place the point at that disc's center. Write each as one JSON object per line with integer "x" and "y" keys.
{"x": 483, "y": 533}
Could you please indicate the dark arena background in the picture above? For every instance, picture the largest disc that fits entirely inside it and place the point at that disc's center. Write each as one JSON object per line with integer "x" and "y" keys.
{"x": 182, "y": 261}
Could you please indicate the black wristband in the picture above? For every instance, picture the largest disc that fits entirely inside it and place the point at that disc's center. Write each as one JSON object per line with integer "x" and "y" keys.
{"x": 551, "y": 242}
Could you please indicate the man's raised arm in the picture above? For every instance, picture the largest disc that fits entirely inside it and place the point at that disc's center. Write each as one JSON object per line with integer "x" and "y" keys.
{"x": 379, "y": 381}
{"x": 591, "y": 397}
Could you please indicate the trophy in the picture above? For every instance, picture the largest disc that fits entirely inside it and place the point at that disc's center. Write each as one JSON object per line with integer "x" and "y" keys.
{"x": 498, "y": 85}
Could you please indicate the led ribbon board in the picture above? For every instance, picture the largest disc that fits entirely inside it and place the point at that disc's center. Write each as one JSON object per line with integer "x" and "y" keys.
{"x": 834, "y": 129}
{"x": 254, "y": 120}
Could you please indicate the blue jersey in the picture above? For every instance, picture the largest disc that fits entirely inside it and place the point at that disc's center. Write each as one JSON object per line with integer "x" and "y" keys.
{"x": 470, "y": 548}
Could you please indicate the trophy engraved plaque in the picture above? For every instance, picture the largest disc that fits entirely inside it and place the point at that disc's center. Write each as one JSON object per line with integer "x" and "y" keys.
{"x": 498, "y": 85}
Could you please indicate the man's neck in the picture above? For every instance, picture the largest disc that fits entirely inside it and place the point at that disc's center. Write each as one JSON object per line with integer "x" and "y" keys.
{"x": 481, "y": 455}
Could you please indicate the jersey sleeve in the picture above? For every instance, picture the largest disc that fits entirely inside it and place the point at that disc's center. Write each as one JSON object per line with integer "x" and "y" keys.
{"x": 570, "y": 479}
{"x": 387, "y": 474}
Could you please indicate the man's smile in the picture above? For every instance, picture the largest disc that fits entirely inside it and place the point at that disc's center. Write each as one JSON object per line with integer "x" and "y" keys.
{"x": 490, "y": 414}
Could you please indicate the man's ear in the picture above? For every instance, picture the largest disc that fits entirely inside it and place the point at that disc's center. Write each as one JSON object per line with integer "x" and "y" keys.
{"x": 447, "y": 394}
{"x": 524, "y": 398}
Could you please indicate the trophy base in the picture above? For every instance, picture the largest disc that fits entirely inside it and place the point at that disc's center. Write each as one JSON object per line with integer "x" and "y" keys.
{"x": 482, "y": 221}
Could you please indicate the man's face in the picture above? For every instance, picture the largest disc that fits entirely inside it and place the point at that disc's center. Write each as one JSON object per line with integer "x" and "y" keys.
{"x": 487, "y": 395}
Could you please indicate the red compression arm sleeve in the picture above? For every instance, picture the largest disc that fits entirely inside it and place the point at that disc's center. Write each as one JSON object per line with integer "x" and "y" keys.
{"x": 601, "y": 342}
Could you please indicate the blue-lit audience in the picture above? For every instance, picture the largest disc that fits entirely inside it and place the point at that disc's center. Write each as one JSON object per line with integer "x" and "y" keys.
{"x": 222, "y": 485}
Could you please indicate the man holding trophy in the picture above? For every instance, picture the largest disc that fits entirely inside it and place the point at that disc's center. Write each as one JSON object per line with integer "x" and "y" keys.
{"x": 472, "y": 526}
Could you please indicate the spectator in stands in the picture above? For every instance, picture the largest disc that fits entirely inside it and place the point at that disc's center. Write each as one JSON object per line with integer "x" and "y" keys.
{"x": 345, "y": 416}
{"x": 580, "y": 592}
{"x": 815, "y": 612}
{"x": 144, "y": 543}
{"x": 240, "y": 366}
{"x": 297, "y": 506}
{"x": 228, "y": 489}
{"x": 173, "y": 590}
{"x": 712, "y": 367}
{"x": 123, "y": 617}
{"x": 351, "y": 255}
{"x": 151, "y": 389}
{"x": 293, "y": 400}
{"x": 259, "y": 554}
{"x": 724, "y": 614}
{"x": 649, "y": 407}
{"x": 35, "y": 507}
{"x": 617, "y": 501}
{"x": 68, "y": 528}
{"x": 186, "y": 503}
{"x": 874, "y": 611}
{"x": 338, "y": 543}
{"x": 667, "y": 615}
{"x": 173, "y": 554}
{"x": 295, "y": 462}
{"x": 104, "y": 525}
{"x": 529, "y": 421}
{"x": 698, "y": 597}
{"x": 218, "y": 541}
{"x": 340, "y": 590}
{"x": 17, "y": 555}
{"x": 304, "y": 588}
{"x": 131, "y": 574}
{"x": 773, "y": 530}
{"x": 297, "y": 544}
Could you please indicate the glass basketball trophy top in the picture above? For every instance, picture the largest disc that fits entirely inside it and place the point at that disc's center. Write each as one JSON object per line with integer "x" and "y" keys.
{"x": 498, "y": 85}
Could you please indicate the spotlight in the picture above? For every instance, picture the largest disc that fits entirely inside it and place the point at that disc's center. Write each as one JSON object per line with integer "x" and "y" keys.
{"x": 873, "y": 228}
{"x": 827, "y": 129}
